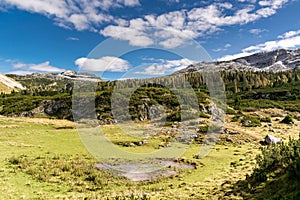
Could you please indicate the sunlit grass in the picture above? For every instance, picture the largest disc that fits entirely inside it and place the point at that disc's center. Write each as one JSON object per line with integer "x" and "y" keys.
{"x": 47, "y": 139}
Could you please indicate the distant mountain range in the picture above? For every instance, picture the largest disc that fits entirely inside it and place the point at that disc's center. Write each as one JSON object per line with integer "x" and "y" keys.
{"x": 67, "y": 75}
{"x": 273, "y": 61}
{"x": 45, "y": 81}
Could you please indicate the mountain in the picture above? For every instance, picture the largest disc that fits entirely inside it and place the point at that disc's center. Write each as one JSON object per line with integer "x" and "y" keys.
{"x": 68, "y": 75}
{"x": 52, "y": 81}
{"x": 8, "y": 84}
{"x": 273, "y": 61}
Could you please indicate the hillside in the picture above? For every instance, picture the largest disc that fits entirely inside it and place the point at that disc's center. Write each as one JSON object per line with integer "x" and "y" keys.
{"x": 8, "y": 84}
{"x": 246, "y": 90}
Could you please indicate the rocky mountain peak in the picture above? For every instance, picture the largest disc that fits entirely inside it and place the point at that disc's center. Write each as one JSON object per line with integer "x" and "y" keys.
{"x": 273, "y": 61}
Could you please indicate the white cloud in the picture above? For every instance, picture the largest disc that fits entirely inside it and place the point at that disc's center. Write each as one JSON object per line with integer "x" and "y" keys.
{"x": 55, "y": 7}
{"x": 273, "y": 3}
{"x": 80, "y": 14}
{"x": 235, "y": 56}
{"x": 20, "y": 72}
{"x": 227, "y": 45}
{"x": 134, "y": 36}
{"x": 42, "y": 67}
{"x": 250, "y": 1}
{"x": 170, "y": 29}
{"x": 130, "y": 2}
{"x": 289, "y": 34}
{"x": 225, "y": 48}
{"x": 163, "y": 67}
{"x": 106, "y": 63}
{"x": 289, "y": 40}
{"x": 19, "y": 65}
{"x": 257, "y": 31}
{"x": 72, "y": 38}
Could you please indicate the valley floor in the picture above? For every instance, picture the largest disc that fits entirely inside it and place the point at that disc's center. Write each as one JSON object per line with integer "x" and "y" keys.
{"x": 45, "y": 159}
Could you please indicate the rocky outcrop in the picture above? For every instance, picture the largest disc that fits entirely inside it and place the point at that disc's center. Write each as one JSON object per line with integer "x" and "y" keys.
{"x": 60, "y": 108}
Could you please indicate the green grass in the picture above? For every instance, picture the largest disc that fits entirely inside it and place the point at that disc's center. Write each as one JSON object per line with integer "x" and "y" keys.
{"x": 44, "y": 161}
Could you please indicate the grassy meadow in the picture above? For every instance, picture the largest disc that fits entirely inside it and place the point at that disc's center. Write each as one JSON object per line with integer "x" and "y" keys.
{"x": 45, "y": 159}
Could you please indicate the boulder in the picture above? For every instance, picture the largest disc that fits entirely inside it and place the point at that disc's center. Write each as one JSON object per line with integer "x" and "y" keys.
{"x": 270, "y": 139}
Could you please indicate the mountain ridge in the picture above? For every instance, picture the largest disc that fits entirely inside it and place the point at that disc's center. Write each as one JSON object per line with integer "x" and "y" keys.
{"x": 271, "y": 61}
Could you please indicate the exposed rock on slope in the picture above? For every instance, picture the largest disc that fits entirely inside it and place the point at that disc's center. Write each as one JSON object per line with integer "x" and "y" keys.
{"x": 274, "y": 61}
{"x": 9, "y": 84}
{"x": 67, "y": 75}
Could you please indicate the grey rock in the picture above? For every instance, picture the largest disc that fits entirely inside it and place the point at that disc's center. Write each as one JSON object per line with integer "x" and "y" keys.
{"x": 228, "y": 139}
{"x": 270, "y": 139}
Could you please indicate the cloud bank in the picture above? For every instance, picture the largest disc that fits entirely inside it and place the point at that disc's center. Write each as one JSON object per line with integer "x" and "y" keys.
{"x": 170, "y": 29}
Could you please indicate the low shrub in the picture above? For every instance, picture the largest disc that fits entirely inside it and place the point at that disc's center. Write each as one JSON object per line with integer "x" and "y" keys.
{"x": 265, "y": 119}
{"x": 288, "y": 119}
{"x": 249, "y": 121}
{"x": 278, "y": 159}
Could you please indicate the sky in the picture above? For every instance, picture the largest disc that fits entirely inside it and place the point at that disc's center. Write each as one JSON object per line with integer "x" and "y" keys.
{"x": 139, "y": 38}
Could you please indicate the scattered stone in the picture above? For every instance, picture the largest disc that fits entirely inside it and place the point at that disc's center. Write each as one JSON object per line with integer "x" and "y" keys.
{"x": 270, "y": 139}
{"x": 131, "y": 144}
{"x": 247, "y": 140}
{"x": 145, "y": 142}
{"x": 139, "y": 143}
{"x": 198, "y": 156}
{"x": 234, "y": 133}
{"x": 226, "y": 130}
{"x": 228, "y": 139}
{"x": 168, "y": 144}
{"x": 246, "y": 123}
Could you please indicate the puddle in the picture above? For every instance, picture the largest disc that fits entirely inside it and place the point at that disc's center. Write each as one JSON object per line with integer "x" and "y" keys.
{"x": 146, "y": 171}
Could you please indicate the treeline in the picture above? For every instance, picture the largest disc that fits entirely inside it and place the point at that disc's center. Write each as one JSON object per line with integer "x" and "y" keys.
{"x": 244, "y": 91}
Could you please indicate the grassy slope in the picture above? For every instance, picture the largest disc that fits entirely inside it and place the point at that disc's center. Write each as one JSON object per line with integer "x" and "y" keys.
{"x": 4, "y": 88}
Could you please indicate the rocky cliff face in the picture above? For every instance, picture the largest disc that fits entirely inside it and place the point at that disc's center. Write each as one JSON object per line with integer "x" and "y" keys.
{"x": 274, "y": 61}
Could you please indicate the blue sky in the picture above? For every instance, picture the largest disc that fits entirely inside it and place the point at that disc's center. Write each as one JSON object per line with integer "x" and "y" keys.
{"x": 53, "y": 36}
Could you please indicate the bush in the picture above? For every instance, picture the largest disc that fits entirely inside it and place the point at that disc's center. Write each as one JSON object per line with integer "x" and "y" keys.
{"x": 203, "y": 129}
{"x": 288, "y": 119}
{"x": 249, "y": 121}
{"x": 203, "y": 115}
{"x": 230, "y": 111}
{"x": 278, "y": 159}
{"x": 265, "y": 119}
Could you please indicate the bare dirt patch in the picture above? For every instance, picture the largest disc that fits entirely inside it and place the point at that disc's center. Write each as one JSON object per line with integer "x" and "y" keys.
{"x": 146, "y": 171}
